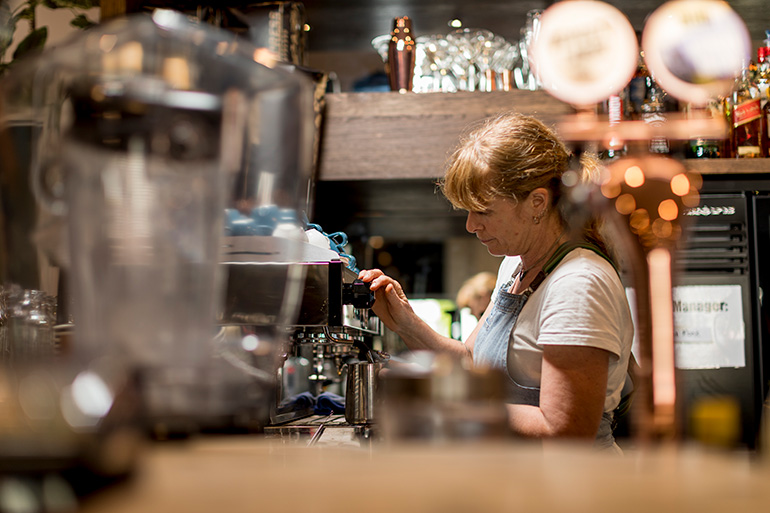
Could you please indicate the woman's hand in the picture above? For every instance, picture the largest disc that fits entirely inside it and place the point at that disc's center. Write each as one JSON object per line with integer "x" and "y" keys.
{"x": 392, "y": 307}
{"x": 390, "y": 303}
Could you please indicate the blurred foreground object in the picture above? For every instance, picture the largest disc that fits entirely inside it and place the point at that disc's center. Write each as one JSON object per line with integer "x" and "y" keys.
{"x": 121, "y": 149}
{"x": 643, "y": 196}
{"x": 585, "y": 51}
{"x": 695, "y": 48}
{"x": 439, "y": 399}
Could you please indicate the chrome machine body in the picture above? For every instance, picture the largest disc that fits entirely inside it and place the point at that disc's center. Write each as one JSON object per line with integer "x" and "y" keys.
{"x": 327, "y": 327}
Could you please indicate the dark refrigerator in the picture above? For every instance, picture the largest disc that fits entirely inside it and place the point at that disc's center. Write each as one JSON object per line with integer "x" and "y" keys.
{"x": 720, "y": 324}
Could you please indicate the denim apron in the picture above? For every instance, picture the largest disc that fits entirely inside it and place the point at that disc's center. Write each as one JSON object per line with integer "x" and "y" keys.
{"x": 490, "y": 349}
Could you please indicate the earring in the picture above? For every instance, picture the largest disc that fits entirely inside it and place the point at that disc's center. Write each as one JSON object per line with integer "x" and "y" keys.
{"x": 536, "y": 219}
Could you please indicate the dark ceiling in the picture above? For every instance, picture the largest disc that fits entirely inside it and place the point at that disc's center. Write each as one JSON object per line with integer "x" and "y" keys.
{"x": 350, "y": 25}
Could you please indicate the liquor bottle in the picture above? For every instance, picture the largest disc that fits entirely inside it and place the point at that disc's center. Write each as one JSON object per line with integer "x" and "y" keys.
{"x": 654, "y": 114}
{"x": 727, "y": 109}
{"x": 746, "y": 117}
{"x": 702, "y": 147}
{"x": 637, "y": 90}
{"x": 763, "y": 84}
{"x": 614, "y": 146}
{"x": 401, "y": 55}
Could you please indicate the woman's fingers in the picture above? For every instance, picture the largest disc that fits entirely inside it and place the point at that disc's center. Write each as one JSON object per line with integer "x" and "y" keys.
{"x": 369, "y": 274}
{"x": 379, "y": 282}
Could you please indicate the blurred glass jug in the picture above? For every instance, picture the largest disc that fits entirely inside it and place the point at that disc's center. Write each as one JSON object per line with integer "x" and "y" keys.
{"x": 137, "y": 136}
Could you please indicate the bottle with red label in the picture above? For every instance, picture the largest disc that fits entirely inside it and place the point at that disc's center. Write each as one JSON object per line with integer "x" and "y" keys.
{"x": 746, "y": 117}
{"x": 763, "y": 84}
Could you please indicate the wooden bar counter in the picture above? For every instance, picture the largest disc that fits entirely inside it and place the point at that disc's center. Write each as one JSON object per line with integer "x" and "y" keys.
{"x": 249, "y": 474}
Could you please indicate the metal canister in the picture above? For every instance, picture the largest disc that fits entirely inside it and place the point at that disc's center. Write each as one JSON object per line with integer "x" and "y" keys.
{"x": 361, "y": 392}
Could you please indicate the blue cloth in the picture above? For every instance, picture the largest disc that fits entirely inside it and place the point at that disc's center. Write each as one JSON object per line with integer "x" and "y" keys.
{"x": 298, "y": 402}
{"x": 328, "y": 403}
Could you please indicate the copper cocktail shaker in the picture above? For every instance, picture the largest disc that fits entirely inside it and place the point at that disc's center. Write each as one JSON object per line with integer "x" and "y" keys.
{"x": 401, "y": 55}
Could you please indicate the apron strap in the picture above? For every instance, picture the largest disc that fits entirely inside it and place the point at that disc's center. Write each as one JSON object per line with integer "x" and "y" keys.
{"x": 557, "y": 257}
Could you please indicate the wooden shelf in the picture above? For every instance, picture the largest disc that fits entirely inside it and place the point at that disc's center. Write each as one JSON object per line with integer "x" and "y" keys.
{"x": 377, "y": 136}
{"x": 391, "y": 135}
{"x": 729, "y": 166}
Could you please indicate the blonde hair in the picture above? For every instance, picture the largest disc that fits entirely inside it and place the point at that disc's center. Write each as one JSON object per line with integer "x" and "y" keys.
{"x": 509, "y": 156}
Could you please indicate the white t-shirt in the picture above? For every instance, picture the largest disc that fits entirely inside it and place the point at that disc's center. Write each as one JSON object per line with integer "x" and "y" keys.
{"x": 581, "y": 302}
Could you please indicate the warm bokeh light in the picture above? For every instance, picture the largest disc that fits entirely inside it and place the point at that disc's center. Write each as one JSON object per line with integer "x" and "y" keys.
{"x": 176, "y": 71}
{"x": 692, "y": 199}
{"x": 221, "y": 48}
{"x": 625, "y": 204}
{"x": 640, "y": 220}
{"x": 265, "y": 56}
{"x": 662, "y": 229}
{"x": 680, "y": 184}
{"x": 668, "y": 210}
{"x": 130, "y": 56}
{"x": 610, "y": 190}
{"x": 570, "y": 178}
{"x": 634, "y": 176}
{"x": 376, "y": 241}
{"x": 696, "y": 181}
{"x": 107, "y": 42}
{"x": 384, "y": 259}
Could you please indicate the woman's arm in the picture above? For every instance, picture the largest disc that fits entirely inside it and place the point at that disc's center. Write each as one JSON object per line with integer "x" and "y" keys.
{"x": 392, "y": 307}
{"x": 572, "y": 393}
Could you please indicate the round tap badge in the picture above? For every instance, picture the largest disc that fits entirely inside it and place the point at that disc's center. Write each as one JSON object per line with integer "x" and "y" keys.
{"x": 695, "y": 48}
{"x": 585, "y": 51}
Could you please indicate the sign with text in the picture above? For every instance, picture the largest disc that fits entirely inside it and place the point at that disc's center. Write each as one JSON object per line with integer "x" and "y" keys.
{"x": 709, "y": 332}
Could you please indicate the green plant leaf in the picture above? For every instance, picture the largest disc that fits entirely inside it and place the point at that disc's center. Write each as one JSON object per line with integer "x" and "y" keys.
{"x": 51, "y": 4}
{"x": 82, "y": 22}
{"x": 28, "y": 13}
{"x": 34, "y": 41}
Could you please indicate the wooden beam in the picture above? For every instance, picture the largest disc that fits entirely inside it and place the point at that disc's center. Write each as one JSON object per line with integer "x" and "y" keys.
{"x": 391, "y": 135}
{"x": 114, "y": 8}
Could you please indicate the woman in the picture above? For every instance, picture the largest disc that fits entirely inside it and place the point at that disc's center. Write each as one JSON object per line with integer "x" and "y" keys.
{"x": 559, "y": 321}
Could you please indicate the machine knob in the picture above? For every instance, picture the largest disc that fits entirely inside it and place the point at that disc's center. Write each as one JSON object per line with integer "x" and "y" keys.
{"x": 357, "y": 294}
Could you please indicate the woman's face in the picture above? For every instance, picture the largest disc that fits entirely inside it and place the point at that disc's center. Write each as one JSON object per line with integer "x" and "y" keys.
{"x": 502, "y": 227}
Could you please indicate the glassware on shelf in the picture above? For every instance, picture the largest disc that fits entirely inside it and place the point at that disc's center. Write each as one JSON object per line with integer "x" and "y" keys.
{"x": 466, "y": 59}
{"x": 27, "y": 319}
{"x": 524, "y": 75}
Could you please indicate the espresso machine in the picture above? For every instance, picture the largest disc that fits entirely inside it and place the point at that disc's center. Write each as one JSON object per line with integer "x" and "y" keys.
{"x": 326, "y": 330}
